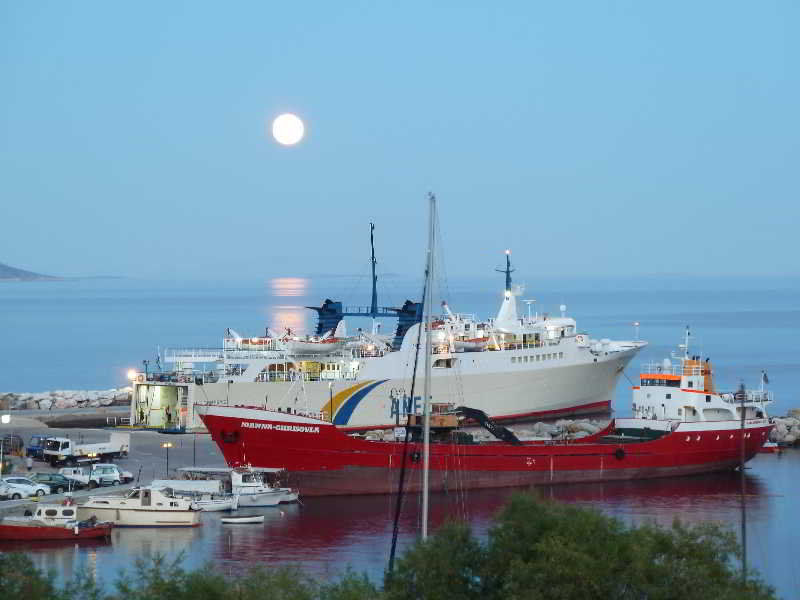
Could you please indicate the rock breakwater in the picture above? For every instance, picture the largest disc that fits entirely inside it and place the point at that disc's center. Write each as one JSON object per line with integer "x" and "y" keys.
{"x": 64, "y": 399}
{"x": 787, "y": 429}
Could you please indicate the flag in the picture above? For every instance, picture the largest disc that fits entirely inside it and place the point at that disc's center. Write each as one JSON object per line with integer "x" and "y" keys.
{"x": 764, "y": 377}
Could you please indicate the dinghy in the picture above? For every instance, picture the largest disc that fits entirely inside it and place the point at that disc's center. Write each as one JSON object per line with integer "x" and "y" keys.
{"x": 242, "y": 520}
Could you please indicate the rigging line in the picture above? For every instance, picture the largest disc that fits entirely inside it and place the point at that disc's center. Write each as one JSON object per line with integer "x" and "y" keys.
{"x": 399, "y": 506}
{"x": 628, "y": 378}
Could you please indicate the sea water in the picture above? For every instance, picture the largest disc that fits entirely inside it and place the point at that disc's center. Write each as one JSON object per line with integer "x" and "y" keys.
{"x": 87, "y": 334}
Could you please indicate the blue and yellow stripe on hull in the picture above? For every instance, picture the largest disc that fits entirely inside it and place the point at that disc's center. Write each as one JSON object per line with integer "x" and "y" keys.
{"x": 345, "y": 402}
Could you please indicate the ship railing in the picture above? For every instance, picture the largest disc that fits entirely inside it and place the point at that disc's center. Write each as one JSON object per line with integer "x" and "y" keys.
{"x": 284, "y": 376}
{"x": 680, "y": 370}
{"x": 118, "y": 421}
{"x": 193, "y": 354}
{"x": 750, "y": 397}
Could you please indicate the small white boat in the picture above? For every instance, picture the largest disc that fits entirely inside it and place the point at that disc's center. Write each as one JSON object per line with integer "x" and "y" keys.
{"x": 242, "y": 520}
{"x": 142, "y": 507}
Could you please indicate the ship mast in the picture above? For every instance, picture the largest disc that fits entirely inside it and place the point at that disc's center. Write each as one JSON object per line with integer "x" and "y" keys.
{"x": 373, "y": 308}
{"x": 426, "y": 404}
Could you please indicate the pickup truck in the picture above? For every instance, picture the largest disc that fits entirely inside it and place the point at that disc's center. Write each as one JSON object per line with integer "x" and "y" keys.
{"x": 64, "y": 451}
{"x": 97, "y": 475}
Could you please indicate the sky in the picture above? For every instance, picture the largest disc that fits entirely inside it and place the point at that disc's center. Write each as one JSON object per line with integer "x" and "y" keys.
{"x": 600, "y": 139}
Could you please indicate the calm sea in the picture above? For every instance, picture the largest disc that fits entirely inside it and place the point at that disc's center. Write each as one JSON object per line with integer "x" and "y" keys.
{"x": 87, "y": 334}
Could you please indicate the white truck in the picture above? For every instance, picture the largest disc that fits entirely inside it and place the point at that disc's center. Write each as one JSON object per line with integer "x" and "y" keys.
{"x": 64, "y": 451}
{"x": 97, "y": 475}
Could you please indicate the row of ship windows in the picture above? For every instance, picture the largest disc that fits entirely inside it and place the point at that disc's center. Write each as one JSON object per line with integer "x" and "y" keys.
{"x": 537, "y": 357}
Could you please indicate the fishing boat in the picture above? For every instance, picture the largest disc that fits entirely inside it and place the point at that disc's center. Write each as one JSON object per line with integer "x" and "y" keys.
{"x": 53, "y": 522}
{"x": 545, "y": 364}
{"x": 242, "y": 520}
{"x": 680, "y": 426}
{"x": 143, "y": 507}
{"x": 251, "y": 487}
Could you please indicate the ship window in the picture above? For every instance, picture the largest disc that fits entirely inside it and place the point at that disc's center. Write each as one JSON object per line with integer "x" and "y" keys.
{"x": 708, "y": 398}
{"x": 690, "y": 384}
{"x": 669, "y": 396}
{"x": 513, "y": 359}
{"x": 538, "y": 357}
{"x": 68, "y": 512}
{"x": 51, "y": 512}
{"x": 680, "y": 412}
{"x": 560, "y": 355}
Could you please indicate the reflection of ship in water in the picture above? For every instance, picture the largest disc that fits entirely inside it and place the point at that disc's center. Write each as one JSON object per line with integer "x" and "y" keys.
{"x": 327, "y": 533}
{"x": 514, "y": 366}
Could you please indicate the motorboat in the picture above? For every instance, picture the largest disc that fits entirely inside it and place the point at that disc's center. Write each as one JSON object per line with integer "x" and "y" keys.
{"x": 53, "y": 522}
{"x": 252, "y": 486}
{"x": 143, "y": 507}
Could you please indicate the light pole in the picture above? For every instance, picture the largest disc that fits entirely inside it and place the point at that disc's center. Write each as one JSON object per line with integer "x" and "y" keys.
{"x": 167, "y": 445}
{"x": 5, "y": 420}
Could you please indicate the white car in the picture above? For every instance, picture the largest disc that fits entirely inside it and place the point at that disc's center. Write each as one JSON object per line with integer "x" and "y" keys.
{"x": 22, "y": 487}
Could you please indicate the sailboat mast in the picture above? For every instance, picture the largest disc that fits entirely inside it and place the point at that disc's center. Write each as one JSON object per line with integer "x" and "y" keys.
{"x": 426, "y": 404}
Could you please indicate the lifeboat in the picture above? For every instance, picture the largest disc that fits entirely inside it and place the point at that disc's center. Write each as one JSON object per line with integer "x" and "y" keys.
{"x": 325, "y": 346}
{"x": 471, "y": 345}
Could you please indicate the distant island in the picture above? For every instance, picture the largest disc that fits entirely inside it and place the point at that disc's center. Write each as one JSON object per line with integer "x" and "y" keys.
{"x": 13, "y": 274}
{"x": 8, "y": 273}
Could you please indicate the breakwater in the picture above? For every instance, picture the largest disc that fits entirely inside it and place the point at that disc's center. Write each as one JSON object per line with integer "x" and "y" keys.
{"x": 61, "y": 399}
{"x": 787, "y": 429}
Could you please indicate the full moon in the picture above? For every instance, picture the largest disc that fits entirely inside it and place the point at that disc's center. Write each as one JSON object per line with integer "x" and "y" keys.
{"x": 288, "y": 129}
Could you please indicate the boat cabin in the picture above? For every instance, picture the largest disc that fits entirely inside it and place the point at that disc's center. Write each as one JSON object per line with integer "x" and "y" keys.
{"x": 686, "y": 392}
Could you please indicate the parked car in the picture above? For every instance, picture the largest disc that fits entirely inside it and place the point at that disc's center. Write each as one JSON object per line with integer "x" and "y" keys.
{"x": 22, "y": 487}
{"x": 97, "y": 475}
{"x": 5, "y": 491}
{"x": 35, "y": 446}
{"x": 57, "y": 482}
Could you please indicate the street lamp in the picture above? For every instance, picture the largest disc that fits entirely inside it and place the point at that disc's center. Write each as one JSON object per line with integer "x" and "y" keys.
{"x": 5, "y": 420}
{"x": 167, "y": 445}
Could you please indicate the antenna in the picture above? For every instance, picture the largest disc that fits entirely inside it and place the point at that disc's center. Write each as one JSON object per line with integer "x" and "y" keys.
{"x": 529, "y": 302}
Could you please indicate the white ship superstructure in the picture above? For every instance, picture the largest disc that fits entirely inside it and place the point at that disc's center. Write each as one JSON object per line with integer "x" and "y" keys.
{"x": 512, "y": 367}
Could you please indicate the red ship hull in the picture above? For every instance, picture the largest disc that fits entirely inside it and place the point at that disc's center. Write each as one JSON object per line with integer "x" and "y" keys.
{"x": 321, "y": 460}
{"x": 24, "y": 532}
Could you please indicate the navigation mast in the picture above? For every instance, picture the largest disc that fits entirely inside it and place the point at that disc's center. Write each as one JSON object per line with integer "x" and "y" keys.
{"x": 373, "y": 308}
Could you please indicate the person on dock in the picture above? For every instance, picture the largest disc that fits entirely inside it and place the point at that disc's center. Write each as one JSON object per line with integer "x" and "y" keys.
{"x": 29, "y": 463}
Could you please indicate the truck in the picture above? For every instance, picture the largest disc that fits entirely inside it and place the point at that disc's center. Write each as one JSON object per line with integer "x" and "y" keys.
{"x": 35, "y": 447}
{"x": 60, "y": 451}
{"x": 97, "y": 475}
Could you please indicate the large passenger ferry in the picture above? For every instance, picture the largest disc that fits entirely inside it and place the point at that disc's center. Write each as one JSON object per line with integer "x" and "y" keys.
{"x": 513, "y": 367}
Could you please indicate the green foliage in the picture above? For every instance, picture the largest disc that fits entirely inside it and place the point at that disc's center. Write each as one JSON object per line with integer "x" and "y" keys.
{"x": 19, "y": 578}
{"x": 445, "y": 566}
{"x": 536, "y": 549}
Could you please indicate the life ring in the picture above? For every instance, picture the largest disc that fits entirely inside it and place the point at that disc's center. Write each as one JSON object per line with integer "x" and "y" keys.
{"x": 578, "y": 339}
{"x": 619, "y": 453}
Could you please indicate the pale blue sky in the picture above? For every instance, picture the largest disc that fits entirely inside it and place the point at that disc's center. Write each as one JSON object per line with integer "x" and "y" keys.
{"x": 592, "y": 138}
